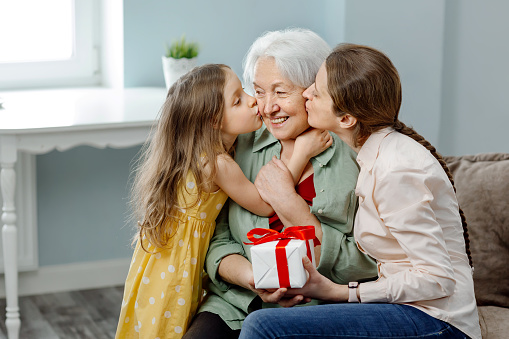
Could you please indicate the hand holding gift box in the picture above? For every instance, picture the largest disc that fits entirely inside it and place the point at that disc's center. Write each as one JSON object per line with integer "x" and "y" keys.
{"x": 277, "y": 257}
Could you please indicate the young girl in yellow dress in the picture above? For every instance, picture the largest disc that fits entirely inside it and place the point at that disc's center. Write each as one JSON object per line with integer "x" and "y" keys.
{"x": 184, "y": 178}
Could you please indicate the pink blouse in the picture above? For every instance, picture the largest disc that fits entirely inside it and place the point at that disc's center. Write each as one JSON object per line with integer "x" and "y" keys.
{"x": 408, "y": 220}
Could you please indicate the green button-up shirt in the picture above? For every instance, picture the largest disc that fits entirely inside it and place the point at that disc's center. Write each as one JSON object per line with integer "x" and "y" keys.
{"x": 335, "y": 177}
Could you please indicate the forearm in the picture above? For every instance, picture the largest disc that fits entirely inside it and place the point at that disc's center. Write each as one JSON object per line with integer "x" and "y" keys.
{"x": 296, "y": 166}
{"x": 294, "y": 211}
{"x": 236, "y": 269}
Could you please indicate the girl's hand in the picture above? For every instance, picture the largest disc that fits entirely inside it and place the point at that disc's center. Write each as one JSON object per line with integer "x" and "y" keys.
{"x": 312, "y": 142}
{"x": 278, "y": 296}
{"x": 319, "y": 287}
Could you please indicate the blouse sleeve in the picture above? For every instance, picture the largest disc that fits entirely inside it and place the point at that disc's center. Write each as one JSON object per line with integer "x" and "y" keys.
{"x": 404, "y": 199}
{"x": 221, "y": 245}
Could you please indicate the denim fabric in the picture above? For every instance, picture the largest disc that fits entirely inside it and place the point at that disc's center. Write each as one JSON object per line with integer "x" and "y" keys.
{"x": 346, "y": 321}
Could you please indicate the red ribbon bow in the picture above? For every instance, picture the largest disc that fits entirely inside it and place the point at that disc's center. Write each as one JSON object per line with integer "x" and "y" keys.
{"x": 294, "y": 232}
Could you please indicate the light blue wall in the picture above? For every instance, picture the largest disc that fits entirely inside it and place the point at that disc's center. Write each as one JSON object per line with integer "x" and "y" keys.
{"x": 452, "y": 57}
{"x": 451, "y": 54}
{"x": 82, "y": 199}
{"x": 411, "y": 34}
{"x": 475, "y": 113}
{"x": 224, "y": 29}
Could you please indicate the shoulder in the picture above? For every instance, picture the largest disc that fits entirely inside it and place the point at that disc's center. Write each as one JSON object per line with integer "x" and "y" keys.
{"x": 246, "y": 140}
{"x": 336, "y": 166}
{"x": 224, "y": 161}
{"x": 399, "y": 152}
{"x": 341, "y": 148}
{"x": 342, "y": 156}
{"x": 244, "y": 145}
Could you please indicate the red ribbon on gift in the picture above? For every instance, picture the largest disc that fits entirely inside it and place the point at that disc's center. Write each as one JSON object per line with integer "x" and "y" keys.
{"x": 294, "y": 232}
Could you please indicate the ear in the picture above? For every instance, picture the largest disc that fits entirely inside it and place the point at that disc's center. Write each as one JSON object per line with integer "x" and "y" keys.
{"x": 347, "y": 121}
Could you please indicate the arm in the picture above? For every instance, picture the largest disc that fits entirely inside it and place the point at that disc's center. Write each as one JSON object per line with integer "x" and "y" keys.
{"x": 227, "y": 266}
{"x": 307, "y": 145}
{"x": 332, "y": 213}
{"x": 233, "y": 182}
{"x": 236, "y": 269}
{"x": 404, "y": 199}
{"x": 275, "y": 184}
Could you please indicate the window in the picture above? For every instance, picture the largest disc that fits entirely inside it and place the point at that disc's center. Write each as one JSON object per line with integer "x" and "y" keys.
{"x": 48, "y": 43}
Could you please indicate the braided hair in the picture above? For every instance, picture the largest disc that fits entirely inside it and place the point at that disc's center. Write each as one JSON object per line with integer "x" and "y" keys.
{"x": 366, "y": 85}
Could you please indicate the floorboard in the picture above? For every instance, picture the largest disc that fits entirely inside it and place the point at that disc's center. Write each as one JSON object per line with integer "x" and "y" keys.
{"x": 68, "y": 315}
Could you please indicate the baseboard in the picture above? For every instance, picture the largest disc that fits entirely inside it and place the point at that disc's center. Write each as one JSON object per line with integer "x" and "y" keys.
{"x": 70, "y": 277}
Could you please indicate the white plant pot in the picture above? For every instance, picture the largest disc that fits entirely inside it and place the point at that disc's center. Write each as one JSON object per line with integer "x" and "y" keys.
{"x": 175, "y": 68}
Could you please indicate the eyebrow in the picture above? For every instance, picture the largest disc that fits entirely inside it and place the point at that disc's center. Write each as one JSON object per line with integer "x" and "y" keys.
{"x": 280, "y": 83}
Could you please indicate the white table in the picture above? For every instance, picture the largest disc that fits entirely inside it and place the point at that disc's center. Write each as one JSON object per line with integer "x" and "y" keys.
{"x": 40, "y": 121}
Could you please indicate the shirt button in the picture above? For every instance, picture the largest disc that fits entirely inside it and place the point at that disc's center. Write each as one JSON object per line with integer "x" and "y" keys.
{"x": 321, "y": 190}
{"x": 320, "y": 211}
{"x": 321, "y": 165}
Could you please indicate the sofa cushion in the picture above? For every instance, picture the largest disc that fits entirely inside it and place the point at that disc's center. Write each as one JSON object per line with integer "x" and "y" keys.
{"x": 482, "y": 187}
{"x": 493, "y": 321}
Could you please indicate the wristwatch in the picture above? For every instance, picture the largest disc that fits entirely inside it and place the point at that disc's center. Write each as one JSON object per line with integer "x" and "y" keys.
{"x": 352, "y": 292}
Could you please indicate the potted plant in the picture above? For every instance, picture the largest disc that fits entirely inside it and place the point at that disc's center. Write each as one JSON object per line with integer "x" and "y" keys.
{"x": 180, "y": 57}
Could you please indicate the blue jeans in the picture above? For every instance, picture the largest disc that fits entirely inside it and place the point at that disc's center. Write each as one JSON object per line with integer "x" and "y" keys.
{"x": 346, "y": 321}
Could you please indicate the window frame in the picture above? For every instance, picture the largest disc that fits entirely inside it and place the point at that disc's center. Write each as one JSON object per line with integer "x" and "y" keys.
{"x": 81, "y": 70}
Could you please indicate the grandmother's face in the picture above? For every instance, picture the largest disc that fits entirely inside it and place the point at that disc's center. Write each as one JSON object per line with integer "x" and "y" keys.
{"x": 280, "y": 102}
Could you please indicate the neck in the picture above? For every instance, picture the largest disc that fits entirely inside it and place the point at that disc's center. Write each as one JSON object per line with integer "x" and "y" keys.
{"x": 228, "y": 141}
{"x": 347, "y": 136}
{"x": 287, "y": 148}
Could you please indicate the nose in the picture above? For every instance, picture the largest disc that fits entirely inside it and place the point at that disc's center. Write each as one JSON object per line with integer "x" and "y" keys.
{"x": 270, "y": 105}
{"x": 307, "y": 93}
{"x": 251, "y": 101}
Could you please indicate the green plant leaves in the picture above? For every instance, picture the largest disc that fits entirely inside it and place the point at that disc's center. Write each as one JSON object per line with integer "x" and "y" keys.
{"x": 182, "y": 49}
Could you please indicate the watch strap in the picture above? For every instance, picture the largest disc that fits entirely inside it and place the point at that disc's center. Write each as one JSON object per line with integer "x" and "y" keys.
{"x": 352, "y": 292}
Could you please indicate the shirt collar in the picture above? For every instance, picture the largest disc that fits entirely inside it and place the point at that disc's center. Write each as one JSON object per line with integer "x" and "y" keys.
{"x": 263, "y": 138}
{"x": 369, "y": 151}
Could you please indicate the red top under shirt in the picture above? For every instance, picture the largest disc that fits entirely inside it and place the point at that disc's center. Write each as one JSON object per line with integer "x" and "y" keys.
{"x": 306, "y": 189}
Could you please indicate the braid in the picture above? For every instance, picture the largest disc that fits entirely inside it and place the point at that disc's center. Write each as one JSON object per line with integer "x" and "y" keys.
{"x": 410, "y": 132}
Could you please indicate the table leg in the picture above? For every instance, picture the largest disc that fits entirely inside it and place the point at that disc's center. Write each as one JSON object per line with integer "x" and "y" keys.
{"x": 10, "y": 244}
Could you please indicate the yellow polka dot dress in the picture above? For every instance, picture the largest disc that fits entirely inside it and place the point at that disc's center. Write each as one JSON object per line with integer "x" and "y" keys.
{"x": 163, "y": 289}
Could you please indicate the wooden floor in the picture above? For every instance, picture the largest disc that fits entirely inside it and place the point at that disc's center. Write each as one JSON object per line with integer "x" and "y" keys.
{"x": 68, "y": 315}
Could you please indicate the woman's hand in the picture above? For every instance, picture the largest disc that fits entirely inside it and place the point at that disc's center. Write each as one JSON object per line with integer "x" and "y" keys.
{"x": 275, "y": 183}
{"x": 319, "y": 287}
{"x": 278, "y": 296}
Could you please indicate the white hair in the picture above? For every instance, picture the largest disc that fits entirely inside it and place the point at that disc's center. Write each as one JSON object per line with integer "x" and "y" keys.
{"x": 298, "y": 53}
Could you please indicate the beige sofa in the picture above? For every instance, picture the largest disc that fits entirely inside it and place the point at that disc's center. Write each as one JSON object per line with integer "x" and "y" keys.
{"x": 482, "y": 186}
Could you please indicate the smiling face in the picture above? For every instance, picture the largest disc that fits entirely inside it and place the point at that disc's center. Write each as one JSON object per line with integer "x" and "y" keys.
{"x": 240, "y": 111}
{"x": 319, "y": 104}
{"x": 280, "y": 102}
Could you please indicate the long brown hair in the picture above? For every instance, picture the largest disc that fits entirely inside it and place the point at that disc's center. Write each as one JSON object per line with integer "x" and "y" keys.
{"x": 184, "y": 133}
{"x": 364, "y": 83}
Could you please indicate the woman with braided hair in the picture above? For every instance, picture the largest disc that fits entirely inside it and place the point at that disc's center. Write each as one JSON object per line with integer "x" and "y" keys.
{"x": 408, "y": 219}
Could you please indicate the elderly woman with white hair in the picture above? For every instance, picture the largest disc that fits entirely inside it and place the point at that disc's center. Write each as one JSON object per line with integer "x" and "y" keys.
{"x": 278, "y": 67}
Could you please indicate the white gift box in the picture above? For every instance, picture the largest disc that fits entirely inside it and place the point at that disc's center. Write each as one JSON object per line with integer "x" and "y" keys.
{"x": 267, "y": 271}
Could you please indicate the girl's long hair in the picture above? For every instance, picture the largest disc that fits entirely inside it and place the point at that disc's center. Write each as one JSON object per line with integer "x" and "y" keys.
{"x": 187, "y": 129}
{"x": 364, "y": 83}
